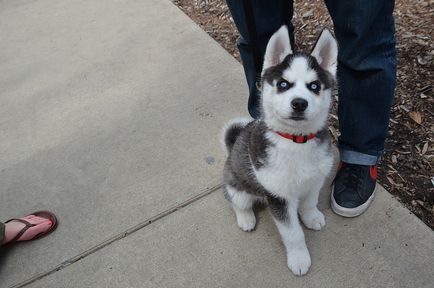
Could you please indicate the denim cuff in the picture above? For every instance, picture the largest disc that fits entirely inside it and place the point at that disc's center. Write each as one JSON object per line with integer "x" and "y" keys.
{"x": 354, "y": 157}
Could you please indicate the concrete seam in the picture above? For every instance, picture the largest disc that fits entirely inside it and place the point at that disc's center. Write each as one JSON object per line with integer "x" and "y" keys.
{"x": 117, "y": 237}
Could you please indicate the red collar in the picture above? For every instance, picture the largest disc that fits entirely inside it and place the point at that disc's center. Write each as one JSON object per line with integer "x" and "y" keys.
{"x": 297, "y": 138}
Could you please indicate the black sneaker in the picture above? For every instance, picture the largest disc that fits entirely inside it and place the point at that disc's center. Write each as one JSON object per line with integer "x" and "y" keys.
{"x": 353, "y": 189}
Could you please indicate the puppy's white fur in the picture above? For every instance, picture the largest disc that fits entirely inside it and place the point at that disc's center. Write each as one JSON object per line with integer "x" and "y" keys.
{"x": 300, "y": 187}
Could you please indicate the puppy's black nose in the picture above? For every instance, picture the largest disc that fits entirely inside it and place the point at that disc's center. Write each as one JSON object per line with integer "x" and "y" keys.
{"x": 299, "y": 104}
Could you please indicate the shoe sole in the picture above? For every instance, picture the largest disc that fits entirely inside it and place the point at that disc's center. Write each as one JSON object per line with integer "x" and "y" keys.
{"x": 350, "y": 212}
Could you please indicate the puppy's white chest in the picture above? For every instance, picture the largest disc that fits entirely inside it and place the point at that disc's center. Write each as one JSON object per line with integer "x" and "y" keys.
{"x": 292, "y": 170}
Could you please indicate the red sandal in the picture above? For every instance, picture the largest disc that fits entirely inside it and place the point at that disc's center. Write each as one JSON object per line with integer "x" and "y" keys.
{"x": 43, "y": 214}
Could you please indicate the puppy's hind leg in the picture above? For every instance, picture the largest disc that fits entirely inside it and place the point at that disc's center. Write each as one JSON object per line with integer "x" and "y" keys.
{"x": 242, "y": 202}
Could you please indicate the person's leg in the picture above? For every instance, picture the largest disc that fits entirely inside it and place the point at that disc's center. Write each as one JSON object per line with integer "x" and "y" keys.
{"x": 2, "y": 232}
{"x": 366, "y": 76}
{"x": 257, "y": 20}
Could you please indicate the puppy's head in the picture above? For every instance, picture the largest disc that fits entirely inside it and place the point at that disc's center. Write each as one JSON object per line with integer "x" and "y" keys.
{"x": 297, "y": 88}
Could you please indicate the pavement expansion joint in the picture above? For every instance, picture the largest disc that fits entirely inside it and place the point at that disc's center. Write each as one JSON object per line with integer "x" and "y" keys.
{"x": 119, "y": 236}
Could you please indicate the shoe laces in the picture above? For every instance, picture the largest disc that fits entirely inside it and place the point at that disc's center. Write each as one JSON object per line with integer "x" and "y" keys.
{"x": 353, "y": 177}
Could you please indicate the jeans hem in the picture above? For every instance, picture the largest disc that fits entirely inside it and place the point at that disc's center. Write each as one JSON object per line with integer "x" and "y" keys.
{"x": 354, "y": 157}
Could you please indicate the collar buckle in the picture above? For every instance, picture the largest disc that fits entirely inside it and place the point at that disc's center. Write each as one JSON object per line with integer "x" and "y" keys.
{"x": 300, "y": 139}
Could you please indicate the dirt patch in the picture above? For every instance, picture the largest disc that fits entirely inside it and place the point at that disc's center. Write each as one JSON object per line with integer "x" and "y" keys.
{"x": 407, "y": 169}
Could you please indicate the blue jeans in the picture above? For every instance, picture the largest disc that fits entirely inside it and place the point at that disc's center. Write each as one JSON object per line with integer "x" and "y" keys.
{"x": 365, "y": 32}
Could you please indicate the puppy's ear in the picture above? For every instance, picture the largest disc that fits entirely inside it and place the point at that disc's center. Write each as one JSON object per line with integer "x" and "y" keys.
{"x": 277, "y": 48}
{"x": 326, "y": 51}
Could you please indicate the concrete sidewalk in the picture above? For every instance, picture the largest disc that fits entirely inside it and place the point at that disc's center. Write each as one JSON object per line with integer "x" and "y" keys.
{"x": 109, "y": 116}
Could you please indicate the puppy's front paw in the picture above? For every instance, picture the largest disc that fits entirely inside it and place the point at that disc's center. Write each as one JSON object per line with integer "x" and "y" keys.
{"x": 246, "y": 220}
{"x": 313, "y": 219}
{"x": 299, "y": 261}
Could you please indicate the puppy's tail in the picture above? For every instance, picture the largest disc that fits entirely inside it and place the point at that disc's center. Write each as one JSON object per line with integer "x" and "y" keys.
{"x": 231, "y": 131}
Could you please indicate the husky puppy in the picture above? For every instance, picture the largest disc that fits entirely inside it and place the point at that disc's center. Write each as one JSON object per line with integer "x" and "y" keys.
{"x": 285, "y": 156}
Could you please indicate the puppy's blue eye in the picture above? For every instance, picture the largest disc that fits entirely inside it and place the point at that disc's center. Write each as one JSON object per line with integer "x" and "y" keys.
{"x": 283, "y": 85}
{"x": 314, "y": 86}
